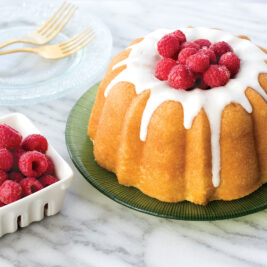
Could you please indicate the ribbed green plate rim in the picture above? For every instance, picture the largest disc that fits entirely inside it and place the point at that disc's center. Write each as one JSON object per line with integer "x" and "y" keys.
{"x": 80, "y": 149}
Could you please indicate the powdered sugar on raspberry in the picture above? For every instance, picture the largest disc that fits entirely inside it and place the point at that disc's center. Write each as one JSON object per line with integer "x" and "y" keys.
{"x": 185, "y": 53}
{"x": 181, "y": 36}
{"x": 181, "y": 77}
{"x": 216, "y": 76}
{"x": 203, "y": 43}
{"x": 211, "y": 54}
{"x": 231, "y": 61}
{"x": 169, "y": 46}
{"x": 190, "y": 45}
{"x": 198, "y": 62}
{"x": 221, "y": 48}
{"x": 163, "y": 68}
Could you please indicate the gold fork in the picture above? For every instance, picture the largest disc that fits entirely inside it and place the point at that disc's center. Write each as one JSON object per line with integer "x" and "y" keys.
{"x": 60, "y": 50}
{"x": 49, "y": 29}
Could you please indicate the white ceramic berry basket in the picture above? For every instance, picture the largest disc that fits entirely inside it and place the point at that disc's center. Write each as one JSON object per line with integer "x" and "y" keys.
{"x": 45, "y": 202}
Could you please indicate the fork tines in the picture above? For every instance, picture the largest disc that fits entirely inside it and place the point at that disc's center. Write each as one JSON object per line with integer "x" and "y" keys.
{"x": 58, "y": 20}
{"x": 77, "y": 42}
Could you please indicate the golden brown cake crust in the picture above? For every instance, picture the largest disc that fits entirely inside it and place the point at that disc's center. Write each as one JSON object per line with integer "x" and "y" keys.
{"x": 174, "y": 164}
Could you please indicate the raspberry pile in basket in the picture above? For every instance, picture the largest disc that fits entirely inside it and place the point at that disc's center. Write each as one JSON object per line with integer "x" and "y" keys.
{"x": 199, "y": 64}
{"x": 24, "y": 166}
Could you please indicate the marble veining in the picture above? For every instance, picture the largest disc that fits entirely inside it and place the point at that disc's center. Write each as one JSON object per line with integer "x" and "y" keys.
{"x": 92, "y": 230}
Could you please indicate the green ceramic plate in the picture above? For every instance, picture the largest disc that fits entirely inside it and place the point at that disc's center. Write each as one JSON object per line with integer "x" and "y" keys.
{"x": 80, "y": 149}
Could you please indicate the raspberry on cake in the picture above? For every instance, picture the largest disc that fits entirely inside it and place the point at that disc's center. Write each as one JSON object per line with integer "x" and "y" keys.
{"x": 180, "y": 35}
{"x": 203, "y": 43}
{"x": 163, "y": 68}
{"x": 203, "y": 85}
{"x": 181, "y": 77}
{"x": 198, "y": 62}
{"x": 168, "y": 46}
{"x": 190, "y": 45}
{"x": 216, "y": 76}
{"x": 231, "y": 61}
{"x": 211, "y": 54}
{"x": 221, "y": 48}
{"x": 197, "y": 57}
{"x": 185, "y": 53}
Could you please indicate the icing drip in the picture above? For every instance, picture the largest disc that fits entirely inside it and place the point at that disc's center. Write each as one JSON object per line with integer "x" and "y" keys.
{"x": 140, "y": 72}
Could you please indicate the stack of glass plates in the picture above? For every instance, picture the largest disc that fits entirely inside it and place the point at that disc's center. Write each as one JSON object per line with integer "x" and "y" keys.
{"x": 27, "y": 78}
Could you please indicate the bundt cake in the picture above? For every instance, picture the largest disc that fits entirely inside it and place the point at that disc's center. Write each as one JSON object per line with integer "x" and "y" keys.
{"x": 195, "y": 144}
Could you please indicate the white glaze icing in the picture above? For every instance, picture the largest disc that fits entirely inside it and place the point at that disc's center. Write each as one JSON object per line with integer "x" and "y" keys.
{"x": 140, "y": 72}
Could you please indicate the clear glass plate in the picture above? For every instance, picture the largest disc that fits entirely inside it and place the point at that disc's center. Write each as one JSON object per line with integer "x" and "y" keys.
{"x": 27, "y": 78}
{"x": 80, "y": 149}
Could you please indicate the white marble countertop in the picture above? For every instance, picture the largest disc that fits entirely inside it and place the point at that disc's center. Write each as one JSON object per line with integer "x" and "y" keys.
{"x": 92, "y": 230}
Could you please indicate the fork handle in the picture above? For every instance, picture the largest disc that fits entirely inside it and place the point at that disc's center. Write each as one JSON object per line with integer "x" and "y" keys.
{"x": 25, "y": 49}
{"x": 9, "y": 42}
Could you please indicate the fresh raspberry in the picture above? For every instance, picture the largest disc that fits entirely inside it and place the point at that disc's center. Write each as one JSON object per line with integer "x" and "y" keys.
{"x": 198, "y": 75}
{"x": 190, "y": 45}
{"x": 50, "y": 166}
{"x": 221, "y": 48}
{"x": 33, "y": 164}
{"x": 231, "y": 61}
{"x": 47, "y": 180}
{"x": 16, "y": 176}
{"x": 203, "y": 85}
{"x": 30, "y": 185}
{"x": 35, "y": 142}
{"x": 181, "y": 77}
{"x": 2, "y": 204}
{"x": 180, "y": 36}
{"x": 163, "y": 68}
{"x": 185, "y": 53}
{"x": 3, "y": 176}
{"x": 10, "y": 191}
{"x": 203, "y": 43}
{"x": 168, "y": 46}
{"x": 198, "y": 62}
{"x": 199, "y": 81}
{"x": 17, "y": 153}
{"x": 6, "y": 159}
{"x": 216, "y": 76}
{"x": 211, "y": 54}
{"x": 9, "y": 137}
